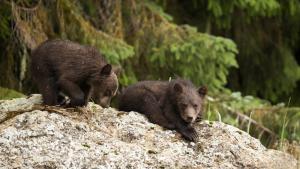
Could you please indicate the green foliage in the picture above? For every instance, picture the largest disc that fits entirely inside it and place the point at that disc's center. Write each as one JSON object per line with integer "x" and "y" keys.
{"x": 246, "y": 104}
{"x": 267, "y": 34}
{"x": 285, "y": 122}
{"x": 6, "y": 94}
{"x": 163, "y": 49}
{"x": 75, "y": 27}
{"x": 202, "y": 58}
{"x": 157, "y": 10}
{"x": 221, "y": 10}
{"x": 168, "y": 50}
{"x": 281, "y": 120}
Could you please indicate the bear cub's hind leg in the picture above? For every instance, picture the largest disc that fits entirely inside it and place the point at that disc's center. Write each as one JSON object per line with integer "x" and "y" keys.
{"x": 49, "y": 91}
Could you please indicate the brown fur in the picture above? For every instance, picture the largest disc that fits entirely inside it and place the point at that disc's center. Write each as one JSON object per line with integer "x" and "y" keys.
{"x": 78, "y": 71}
{"x": 173, "y": 105}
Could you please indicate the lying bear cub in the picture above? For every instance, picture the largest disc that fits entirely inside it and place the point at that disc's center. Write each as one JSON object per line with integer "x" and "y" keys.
{"x": 173, "y": 105}
{"x": 80, "y": 72}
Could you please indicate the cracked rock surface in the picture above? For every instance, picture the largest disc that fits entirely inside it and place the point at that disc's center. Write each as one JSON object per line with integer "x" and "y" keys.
{"x": 93, "y": 137}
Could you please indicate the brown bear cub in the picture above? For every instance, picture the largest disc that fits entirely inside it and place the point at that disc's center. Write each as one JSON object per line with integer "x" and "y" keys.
{"x": 173, "y": 105}
{"x": 80, "y": 72}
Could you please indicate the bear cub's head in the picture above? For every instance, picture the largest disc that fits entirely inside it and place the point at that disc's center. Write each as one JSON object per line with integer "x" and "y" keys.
{"x": 104, "y": 86}
{"x": 188, "y": 100}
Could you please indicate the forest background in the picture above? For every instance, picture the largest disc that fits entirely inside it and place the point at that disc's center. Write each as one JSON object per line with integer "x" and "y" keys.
{"x": 246, "y": 52}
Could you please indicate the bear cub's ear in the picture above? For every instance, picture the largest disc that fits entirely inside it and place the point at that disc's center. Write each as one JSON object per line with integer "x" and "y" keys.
{"x": 106, "y": 70}
{"x": 178, "y": 88}
{"x": 202, "y": 91}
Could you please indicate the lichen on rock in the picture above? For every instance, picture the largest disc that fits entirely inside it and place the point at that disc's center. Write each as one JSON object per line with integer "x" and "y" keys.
{"x": 93, "y": 137}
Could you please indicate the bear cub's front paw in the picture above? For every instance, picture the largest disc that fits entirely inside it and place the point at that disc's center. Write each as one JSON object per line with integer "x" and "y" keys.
{"x": 190, "y": 134}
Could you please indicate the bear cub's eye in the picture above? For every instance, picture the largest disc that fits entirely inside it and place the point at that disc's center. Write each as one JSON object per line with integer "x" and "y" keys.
{"x": 195, "y": 105}
{"x": 183, "y": 105}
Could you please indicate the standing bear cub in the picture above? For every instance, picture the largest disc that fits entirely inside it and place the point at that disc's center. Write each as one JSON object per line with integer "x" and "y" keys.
{"x": 173, "y": 105}
{"x": 80, "y": 72}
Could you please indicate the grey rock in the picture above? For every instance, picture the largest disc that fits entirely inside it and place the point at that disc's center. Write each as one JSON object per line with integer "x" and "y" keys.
{"x": 93, "y": 137}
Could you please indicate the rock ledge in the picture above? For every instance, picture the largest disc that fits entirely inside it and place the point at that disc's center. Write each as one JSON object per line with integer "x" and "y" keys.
{"x": 92, "y": 137}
